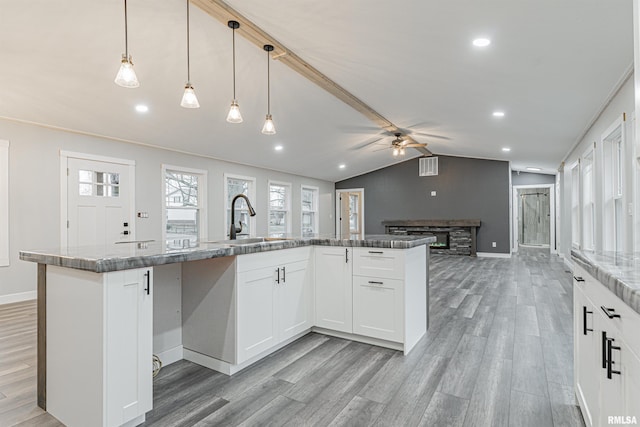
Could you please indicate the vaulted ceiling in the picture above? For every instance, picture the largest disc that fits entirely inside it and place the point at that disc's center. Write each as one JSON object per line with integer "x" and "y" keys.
{"x": 549, "y": 67}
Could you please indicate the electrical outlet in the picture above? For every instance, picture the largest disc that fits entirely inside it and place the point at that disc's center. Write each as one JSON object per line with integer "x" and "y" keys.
{"x": 143, "y": 214}
{"x": 433, "y": 193}
{"x": 493, "y": 244}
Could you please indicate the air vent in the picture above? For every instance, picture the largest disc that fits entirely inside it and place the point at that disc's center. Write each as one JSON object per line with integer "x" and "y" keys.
{"x": 428, "y": 166}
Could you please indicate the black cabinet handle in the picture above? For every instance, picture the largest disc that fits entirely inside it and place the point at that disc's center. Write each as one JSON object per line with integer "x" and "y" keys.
{"x": 148, "y": 276}
{"x": 346, "y": 255}
{"x": 278, "y": 279}
{"x": 610, "y": 312}
{"x": 376, "y": 283}
{"x": 578, "y": 279}
{"x": 284, "y": 277}
{"x": 604, "y": 349}
{"x": 584, "y": 320}
{"x": 610, "y": 362}
{"x": 376, "y": 252}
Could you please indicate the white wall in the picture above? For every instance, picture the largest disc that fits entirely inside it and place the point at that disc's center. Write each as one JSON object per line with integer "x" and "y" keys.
{"x": 622, "y": 102}
{"x": 34, "y": 192}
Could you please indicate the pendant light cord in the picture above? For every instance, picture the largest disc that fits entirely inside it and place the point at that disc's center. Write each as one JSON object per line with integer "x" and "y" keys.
{"x": 268, "y": 86}
{"x": 188, "y": 58}
{"x": 234, "y": 63}
{"x": 126, "y": 35}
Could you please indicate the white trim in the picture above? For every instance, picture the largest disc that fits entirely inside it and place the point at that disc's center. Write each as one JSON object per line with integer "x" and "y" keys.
{"x": 18, "y": 297}
{"x": 316, "y": 203}
{"x": 202, "y": 198}
{"x": 4, "y": 203}
{"x": 251, "y": 196}
{"x": 172, "y": 355}
{"x": 552, "y": 216}
{"x": 493, "y": 255}
{"x": 288, "y": 207}
{"x": 64, "y": 162}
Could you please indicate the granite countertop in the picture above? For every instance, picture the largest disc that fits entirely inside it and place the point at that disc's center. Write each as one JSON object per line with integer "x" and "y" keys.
{"x": 619, "y": 272}
{"x": 137, "y": 254}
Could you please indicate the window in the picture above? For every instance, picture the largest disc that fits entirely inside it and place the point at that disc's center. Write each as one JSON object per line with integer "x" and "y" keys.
{"x": 613, "y": 223}
{"x": 100, "y": 184}
{"x": 588, "y": 202}
{"x": 354, "y": 213}
{"x": 575, "y": 205}
{"x": 184, "y": 219}
{"x": 309, "y": 210}
{"x": 234, "y": 185}
{"x": 4, "y": 203}
{"x": 279, "y": 209}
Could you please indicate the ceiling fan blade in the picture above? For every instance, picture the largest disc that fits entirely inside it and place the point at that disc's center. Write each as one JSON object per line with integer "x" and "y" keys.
{"x": 431, "y": 135}
{"x": 415, "y": 145}
{"x": 424, "y": 151}
{"x": 359, "y": 129}
{"x": 365, "y": 144}
{"x": 425, "y": 123}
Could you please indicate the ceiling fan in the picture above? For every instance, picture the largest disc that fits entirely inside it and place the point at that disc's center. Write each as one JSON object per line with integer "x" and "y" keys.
{"x": 399, "y": 144}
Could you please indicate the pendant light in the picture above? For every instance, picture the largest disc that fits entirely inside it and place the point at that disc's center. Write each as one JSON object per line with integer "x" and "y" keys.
{"x": 189, "y": 99}
{"x": 126, "y": 76}
{"x": 268, "y": 128}
{"x": 234, "y": 115}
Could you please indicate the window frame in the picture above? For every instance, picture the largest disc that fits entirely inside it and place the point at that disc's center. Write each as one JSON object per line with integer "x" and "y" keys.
{"x": 4, "y": 203}
{"x": 316, "y": 211}
{"x": 287, "y": 210}
{"x": 591, "y": 203}
{"x": 202, "y": 198}
{"x": 576, "y": 206}
{"x": 251, "y": 196}
{"x": 613, "y": 186}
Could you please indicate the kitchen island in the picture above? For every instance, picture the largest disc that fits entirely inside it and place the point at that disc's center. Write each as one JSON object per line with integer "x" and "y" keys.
{"x": 242, "y": 300}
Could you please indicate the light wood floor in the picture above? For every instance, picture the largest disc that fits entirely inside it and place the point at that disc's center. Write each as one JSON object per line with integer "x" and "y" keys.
{"x": 498, "y": 353}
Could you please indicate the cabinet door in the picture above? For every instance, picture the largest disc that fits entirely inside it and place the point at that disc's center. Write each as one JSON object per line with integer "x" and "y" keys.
{"x": 586, "y": 370}
{"x": 630, "y": 368}
{"x": 294, "y": 298}
{"x": 378, "y": 308}
{"x": 256, "y": 308}
{"x": 333, "y": 291}
{"x": 129, "y": 345}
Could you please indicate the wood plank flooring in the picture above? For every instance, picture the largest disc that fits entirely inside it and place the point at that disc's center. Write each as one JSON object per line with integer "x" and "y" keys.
{"x": 498, "y": 353}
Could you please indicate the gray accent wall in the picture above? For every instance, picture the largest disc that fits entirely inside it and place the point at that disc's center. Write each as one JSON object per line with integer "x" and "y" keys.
{"x": 528, "y": 178}
{"x": 465, "y": 189}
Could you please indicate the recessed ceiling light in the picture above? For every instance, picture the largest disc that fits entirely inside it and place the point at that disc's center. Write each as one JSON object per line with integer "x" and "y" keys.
{"x": 498, "y": 114}
{"x": 278, "y": 147}
{"x": 481, "y": 42}
{"x": 342, "y": 166}
{"x": 140, "y": 108}
{"x": 506, "y": 149}
{"x": 534, "y": 169}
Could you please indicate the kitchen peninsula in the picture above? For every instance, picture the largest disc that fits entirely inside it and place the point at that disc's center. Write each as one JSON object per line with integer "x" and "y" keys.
{"x": 241, "y": 300}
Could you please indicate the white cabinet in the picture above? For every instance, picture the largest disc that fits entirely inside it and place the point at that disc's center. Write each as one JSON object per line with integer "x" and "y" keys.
{"x": 378, "y": 308}
{"x": 294, "y": 299}
{"x": 99, "y": 346}
{"x": 333, "y": 289}
{"x": 607, "y": 367}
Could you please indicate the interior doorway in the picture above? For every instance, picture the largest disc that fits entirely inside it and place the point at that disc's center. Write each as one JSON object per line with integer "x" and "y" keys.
{"x": 350, "y": 213}
{"x": 534, "y": 216}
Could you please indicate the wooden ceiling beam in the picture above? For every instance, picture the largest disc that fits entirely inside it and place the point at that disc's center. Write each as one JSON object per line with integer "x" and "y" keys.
{"x": 221, "y": 11}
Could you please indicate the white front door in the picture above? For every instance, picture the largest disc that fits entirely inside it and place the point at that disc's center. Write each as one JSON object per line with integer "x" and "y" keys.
{"x": 98, "y": 202}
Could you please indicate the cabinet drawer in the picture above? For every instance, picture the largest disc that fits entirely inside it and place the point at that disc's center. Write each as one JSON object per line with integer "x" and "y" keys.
{"x": 378, "y": 307}
{"x": 628, "y": 324}
{"x": 382, "y": 263}
{"x": 272, "y": 258}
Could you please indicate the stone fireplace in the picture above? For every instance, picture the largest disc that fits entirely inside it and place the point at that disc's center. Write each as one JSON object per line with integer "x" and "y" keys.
{"x": 453, "y": 237}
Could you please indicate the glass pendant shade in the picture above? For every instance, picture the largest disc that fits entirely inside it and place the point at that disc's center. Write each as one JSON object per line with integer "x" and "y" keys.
{"x": 126, "y": 76}
{"x": 189, "y": 99}
{"x": 395, "y": 152}
{"x": 268, "y": 128}
{"x": 234, "y": 115}
{"x": 402, "y": 151}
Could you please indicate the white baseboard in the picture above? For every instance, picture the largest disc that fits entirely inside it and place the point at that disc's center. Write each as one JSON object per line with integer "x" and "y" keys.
{"x": 492, "y": 255}
{"x": 20, "y": 296}
{"x": 171, "y": 356}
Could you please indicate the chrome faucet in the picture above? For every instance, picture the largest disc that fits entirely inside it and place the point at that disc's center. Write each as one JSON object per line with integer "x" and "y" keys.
{"x": 233, "y": 230}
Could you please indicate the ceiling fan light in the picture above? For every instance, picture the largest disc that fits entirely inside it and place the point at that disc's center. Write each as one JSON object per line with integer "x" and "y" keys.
{"x": 402, "y": 151}
{"x": 126, "y": 76}
{"x": 395, "y": 152}
{"x": 189, "y": 99}
{"x": 268, "y": 128}
{"x": 234, "y": 115}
